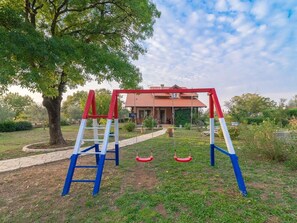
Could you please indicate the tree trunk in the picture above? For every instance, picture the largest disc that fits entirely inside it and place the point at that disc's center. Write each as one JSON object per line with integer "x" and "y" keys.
{"x": 53, "y": 107}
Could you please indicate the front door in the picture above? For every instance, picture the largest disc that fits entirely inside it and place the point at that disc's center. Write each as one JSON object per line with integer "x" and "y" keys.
{"x": 162, "y": 116}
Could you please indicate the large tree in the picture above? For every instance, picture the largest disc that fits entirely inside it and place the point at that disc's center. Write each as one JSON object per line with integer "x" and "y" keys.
{"x": 248, "y": 105}
{"x": 49, "y": 45}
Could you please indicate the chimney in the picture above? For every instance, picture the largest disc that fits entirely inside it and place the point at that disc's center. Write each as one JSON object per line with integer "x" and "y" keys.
{"x": 162, "y": 86}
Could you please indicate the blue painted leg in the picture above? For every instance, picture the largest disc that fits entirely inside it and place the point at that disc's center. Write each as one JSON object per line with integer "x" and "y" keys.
{"x": 117, "y": 157}
{"x": 97, "y": 155}
{"x": 99, "y": 175}
{"x": 212, "y": 155}
{"x": 70, "y": 173}
{"x": 238, "y": 175}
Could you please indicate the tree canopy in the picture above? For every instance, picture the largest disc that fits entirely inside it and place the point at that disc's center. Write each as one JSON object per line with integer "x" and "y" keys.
{"x": 51, "y": 45}
{"x": 248, "y": 105}
{"x": 48, "y": 45}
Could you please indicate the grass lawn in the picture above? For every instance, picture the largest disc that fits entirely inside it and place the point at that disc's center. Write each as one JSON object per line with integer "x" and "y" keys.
{"x": 160, "y": 191}
{"x": 12, "y": 142}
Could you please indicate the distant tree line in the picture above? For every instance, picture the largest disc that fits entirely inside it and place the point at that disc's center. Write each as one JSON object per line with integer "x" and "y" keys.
{"x": 254, "y": 109}
{"x": 15, "y": 107}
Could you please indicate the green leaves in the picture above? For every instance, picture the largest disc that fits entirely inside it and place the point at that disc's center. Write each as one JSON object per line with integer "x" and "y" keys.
{"x": 84, "y": 40}
{"x": 248, "y": 105}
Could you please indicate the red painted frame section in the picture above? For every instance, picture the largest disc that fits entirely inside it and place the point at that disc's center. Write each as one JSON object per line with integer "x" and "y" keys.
{"x": 90, "y": 101}
{"x": 211, "y": 108}
{"x": 217, "y": 104}
{"x": 113, "y": 108}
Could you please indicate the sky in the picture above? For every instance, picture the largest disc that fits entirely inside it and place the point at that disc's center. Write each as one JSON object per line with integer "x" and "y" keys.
{"x": 234, "y": 46}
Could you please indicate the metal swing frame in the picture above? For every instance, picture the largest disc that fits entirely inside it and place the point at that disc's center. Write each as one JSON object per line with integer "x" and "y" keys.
{"x": 214, "y": 106}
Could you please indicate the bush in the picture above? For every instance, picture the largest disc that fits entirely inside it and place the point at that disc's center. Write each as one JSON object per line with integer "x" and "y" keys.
{"x": 64, "y": 122}
{"x": 233, "y": 132}
{"x": 292, "y": 112}
{"x": 7, "y": 126}
{"x": 261, "y": 141}
{"x": 182, "y": 116}
{"x": 293, "y": 123}
{"x": 130, "y": 126}
{"x": 10, "y": 126}
{"x": 23, "y": 125}
{"x": 187, "y": 126}
{"x": 255, "y": 120}
{"x": 150, "y": 123}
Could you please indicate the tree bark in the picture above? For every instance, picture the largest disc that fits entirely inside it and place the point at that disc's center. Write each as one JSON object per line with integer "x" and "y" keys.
{"x": 53, "y": 107}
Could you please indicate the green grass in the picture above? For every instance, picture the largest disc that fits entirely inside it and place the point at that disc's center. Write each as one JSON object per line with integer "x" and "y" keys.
{"x": 13, "y": 142}
{"x": 159, "y": 191}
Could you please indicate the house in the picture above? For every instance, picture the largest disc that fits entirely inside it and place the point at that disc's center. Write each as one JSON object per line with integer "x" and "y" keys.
{"x": 161, "y": 106}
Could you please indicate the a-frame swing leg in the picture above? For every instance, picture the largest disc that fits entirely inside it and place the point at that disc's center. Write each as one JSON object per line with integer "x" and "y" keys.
{"x": 70, "y": 173}
{"x": 97, "y": 156}
{"x": 238, "y": 175}
{"x": 99, "y": 175}
{"x": 212, "y": 155}
{"x": 213, "y": 101}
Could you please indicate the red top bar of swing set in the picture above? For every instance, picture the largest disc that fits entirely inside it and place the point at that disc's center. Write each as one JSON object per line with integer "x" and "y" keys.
{"x": 211, "y": 91}
{"x": 113, "y": 104}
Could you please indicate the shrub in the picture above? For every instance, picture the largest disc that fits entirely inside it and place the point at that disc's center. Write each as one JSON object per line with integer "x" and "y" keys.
{"x": 255, "y": 120}
{"x": 187, "y": 126}
{"x": 64, "y": 122}
{"x": 293, "y": 123}
{"x": 23, "y": 125}
{"x": 130, "y": 126}
{"x": 149, "y": 122}
{"x": 261, "y": 141}
{"x": 233, "y": 132}
{"x": 11, "y": 126}
{"x": 182, "y": 116}
{"x": 292, "y": 112}
{"x": 7, "y": 126}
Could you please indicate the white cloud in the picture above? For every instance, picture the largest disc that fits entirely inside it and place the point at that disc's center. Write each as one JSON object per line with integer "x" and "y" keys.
{"x": 239, "y": 6}
{"x": 261, "y": 9}
{"x": 221, "y": 5}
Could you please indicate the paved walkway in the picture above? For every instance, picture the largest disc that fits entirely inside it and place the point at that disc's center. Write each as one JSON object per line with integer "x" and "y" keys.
{"x": 13, "y": 164}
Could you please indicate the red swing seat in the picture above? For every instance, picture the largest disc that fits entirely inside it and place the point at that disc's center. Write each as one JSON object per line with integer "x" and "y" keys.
{"x": 183, "y": 160}
{"x": 144, "y": 160}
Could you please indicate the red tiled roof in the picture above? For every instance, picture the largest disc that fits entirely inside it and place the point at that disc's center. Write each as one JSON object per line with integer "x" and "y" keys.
{"x": 163, "y": 99}
{"x": 147, "y": 100}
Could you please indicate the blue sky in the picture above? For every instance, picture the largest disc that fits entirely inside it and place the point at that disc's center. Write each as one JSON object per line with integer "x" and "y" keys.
{"x": 232, "y": 45}
{"x": 235, "y": 46}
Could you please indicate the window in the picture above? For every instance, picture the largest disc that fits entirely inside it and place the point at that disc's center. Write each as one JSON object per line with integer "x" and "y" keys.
{"x": 144, "y": 113}
{"x": 174, "y": 95}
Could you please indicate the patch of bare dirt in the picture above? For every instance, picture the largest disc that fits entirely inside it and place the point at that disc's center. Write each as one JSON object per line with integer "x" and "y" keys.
{"x": 273, "y": 219}
{"x": 161, "y": 209}
{"x": 139, "y": 178}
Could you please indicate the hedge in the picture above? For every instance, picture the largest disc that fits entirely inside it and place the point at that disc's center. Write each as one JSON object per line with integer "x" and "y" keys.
{"x": 11, "y": 126}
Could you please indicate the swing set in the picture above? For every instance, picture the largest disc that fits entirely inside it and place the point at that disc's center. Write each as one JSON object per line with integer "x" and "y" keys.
{"x": 176, "y": 158}
{"x": 100, "y": 146}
